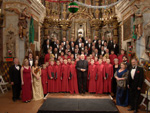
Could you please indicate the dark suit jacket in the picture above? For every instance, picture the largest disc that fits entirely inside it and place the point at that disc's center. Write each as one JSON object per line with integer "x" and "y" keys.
{"x": 138, "y": 78}
{"x": 116, "y": 49}
{"x": 82, "y": 64}
{"x": 15, "y": 75}
{"x": 45, "y": 49}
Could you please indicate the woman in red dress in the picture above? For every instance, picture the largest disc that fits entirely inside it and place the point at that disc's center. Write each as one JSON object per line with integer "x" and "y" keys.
{"x": 26, "y": 78}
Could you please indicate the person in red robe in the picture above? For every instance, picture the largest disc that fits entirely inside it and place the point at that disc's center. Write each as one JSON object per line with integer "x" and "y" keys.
{"x": 58, "y": 77}
{"x": 108, "y": 76}
{"x": 47, "y": 56}
{"x": 51, "y": 76}
{"x": 120, "y": 57}
{"x": 112, "y": 56}
{"x": 62, "y": 55}
{"x": 92, "y": 77}
{"x": 69, "y": 55}
{"x": 100, "y": 71}
{"x": 104, "y": 60}
{"x": 96, "y": 60}
{"x": 69, "y": 61}
{"x": 65, "y": 76}
{"x": 44, "y": 79}
{"x": 73, "y": 84}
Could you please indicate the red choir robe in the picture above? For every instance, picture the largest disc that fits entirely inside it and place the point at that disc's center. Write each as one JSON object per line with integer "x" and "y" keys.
{"x": 87, "y": 83}
{"x": 51, "y": 82}
{"x": 96, "y": 63}
{"x": 100, "y": 70}
{"x": 44, "y": 80}
{"x": 68, "y": 57}
{"x": 104, "y": 63}
{"x": 120, "y": 58}
{"x": 112, "y": 57}
{"x": 73, "y": 84}
{"x": 58, "y": 78}
{"x": 108, "y": 80}
{"x": 62, "y": 57}
{"x": 92, "y": 77}
{"x": 65, "y": 77}
{"x": 47, "y": 57}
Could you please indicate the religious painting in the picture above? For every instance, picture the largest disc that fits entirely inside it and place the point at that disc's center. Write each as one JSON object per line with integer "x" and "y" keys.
{"x": 35, "y": 30}
{"x": 127, "y": 29}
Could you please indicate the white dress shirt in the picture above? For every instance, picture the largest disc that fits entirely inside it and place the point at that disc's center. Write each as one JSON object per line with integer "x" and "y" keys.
{"x": 133, "y": 72}
{"x": 17, "y": 67}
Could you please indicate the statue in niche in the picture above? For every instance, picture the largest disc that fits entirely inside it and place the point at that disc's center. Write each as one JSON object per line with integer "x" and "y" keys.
{"x": 23, "y": 23}
{"x": 138, "y": 21}
{"x": 10, "y": 44}
{"x": 140, "y": 8}
{"x": 80, "y": 31}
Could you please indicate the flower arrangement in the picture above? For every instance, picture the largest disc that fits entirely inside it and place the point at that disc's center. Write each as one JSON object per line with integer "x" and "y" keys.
{"x": 9, "y": 53}
{"x": 130, "y": 50}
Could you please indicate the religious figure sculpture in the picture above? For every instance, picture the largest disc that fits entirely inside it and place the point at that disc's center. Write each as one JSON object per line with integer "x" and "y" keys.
{"x": 80, "y": 31}
{"x": 10, "y": 44}
{"x": 23, "y": 23}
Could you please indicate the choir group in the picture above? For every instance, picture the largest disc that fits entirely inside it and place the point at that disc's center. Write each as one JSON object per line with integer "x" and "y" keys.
{"x": 107, "y": 70}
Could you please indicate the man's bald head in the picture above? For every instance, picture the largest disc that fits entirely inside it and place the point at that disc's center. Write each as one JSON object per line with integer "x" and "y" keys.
{"x": 82, "y": 57}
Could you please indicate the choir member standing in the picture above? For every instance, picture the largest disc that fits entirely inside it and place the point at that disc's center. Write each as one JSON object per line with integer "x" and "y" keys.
{"x": 135, "y": 82}
{"x": 82, "y": 69}
{"x": 100, "y": 71}
{"x": 51, "y": 75}
{"x": 116, "y": 47}
{"x": 26, "y": 78}
{"x": 44, "y": 79}
{"x": 15, "y": 78}
{"x": 47, "y": 56}
{"x": 121, "y": 56}
{"x": 121, "y": 76}
{"x": 110, "y": 44}
{"x": 37, "y": 83}
{"x": 112, "y": 56}
{"x": 58, "y": 77}
{"x": 108, "y": 76}
{"x": 92, "y": 77}
{"x": 73, "y": 84}
{"x": 65, "y": 76}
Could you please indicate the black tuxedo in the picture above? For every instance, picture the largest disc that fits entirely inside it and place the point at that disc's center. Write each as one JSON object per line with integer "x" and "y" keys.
{"x": 82, "y": 76}
{"x": 45, "y": 49}
{"x": 116, "y": 49}
{"x": 15, "y": 77}
{"x": 70, "y": 43}
{"x": 89, "y": 48}
{"x": 72, "y": 49}
{"x": 103, "y": 42}
{"x": 134, "y": 94}
{"x": 110, "y": 46}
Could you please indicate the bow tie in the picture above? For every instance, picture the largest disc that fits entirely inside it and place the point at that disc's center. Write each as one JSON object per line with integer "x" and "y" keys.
{"x": 133, "y": 67}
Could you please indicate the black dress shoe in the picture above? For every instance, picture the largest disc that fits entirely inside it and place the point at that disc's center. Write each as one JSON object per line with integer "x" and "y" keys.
{"x": 135, "y": 111}
{"x": 19, "y": 98}
{"x": 14, "y": 100}
{"x": 131, "y": 109}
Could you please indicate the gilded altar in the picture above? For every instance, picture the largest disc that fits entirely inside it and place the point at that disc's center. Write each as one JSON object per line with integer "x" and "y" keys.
{"x": 59, "y": 22}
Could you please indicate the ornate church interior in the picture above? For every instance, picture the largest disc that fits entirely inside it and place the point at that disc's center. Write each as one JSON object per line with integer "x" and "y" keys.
{"x": 74, "y": 56}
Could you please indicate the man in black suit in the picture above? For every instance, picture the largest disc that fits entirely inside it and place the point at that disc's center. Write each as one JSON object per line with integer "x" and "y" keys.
{"x": 115, "y": 47}
{"x": 15, "y": 77}
{"x": 135, "y": 81}
{"x": 82, "y": 69}
{"x": 110, "y": 44}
